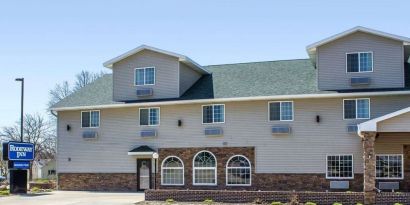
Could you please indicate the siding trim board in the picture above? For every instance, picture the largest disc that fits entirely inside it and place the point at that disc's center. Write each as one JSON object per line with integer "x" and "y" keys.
{"x": 239, "y": 99}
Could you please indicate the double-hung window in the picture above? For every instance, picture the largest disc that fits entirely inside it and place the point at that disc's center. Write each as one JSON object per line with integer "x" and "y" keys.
{"x": 359, "y": 62}
{"x": 90, "y": 119}
{"x": 213, "y": 114}
{"x": 339, "y": 167}
{"x": 389, "y": 166}
{"x": 149, "y": 116}
{"x": 281, "y": 111}
{"x": 145, "y": 76}
{"x": 356, "y": 108}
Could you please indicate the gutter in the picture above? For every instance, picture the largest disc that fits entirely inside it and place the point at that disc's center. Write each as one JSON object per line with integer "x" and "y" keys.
{"x": 275, "y": 97}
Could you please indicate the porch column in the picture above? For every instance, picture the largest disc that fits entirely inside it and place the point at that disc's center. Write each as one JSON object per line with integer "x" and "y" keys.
{"x": 369, "y": 162}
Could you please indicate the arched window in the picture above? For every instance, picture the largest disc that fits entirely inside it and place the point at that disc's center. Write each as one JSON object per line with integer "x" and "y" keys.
{"x": 172, "y": 171}
{"x": 204, "y": 172}
{"x": 238, "y": 171}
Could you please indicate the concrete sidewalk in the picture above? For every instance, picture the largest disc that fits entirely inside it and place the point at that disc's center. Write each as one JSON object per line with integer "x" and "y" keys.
{"x": 74, "y": 198}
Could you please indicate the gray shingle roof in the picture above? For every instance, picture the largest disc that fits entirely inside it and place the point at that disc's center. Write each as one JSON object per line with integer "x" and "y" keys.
{"x": 287, "y": 77}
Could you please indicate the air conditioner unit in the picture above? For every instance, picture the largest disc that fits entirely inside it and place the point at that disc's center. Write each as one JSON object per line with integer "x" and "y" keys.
{"x": 360, "y": 81}
{"x": 339, "y": 184}
{"x": 352, "y": 128}
{"x": 389, "y": 185}
{"x": 213, "y": 131}
{"x": 90, "y": 135}
{"x": 142, "y": 92}
{"x": 148, "y": 133}
{"x": 281, "y": 129}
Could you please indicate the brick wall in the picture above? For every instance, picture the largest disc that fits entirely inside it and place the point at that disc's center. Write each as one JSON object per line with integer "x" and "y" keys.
{"x": 97, "y": 181}
{"x": 321, "y": 198}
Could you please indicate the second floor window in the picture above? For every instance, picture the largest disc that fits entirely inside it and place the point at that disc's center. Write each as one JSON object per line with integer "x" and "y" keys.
{"x": 281, "y": 111}
{"x": 149, "y": 116}
{"x": 359, "y": 62}
{"x": 145, "y": 76}
{"x": 90, "y": 119}
{"x": 213, "y": 114}
{"x": 356, "y": 108}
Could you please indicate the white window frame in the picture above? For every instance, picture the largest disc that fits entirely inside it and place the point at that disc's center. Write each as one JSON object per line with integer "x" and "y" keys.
{"x": 149, "y": 116}
{"x": 144, "y": 68}
{"x": 250, "y": 171}
{"x": 358, "y": 53}
{"x": 280, "y": 111}
{"x": 183, "y": 171}
{"x": 390, "y": 178}
{"x": 213, "y": 114}
{"x": 327, "y": 177}
{"x": 356, "y": 99}
{"x": 99, "y": 118}
{"x": 204, "y": 168}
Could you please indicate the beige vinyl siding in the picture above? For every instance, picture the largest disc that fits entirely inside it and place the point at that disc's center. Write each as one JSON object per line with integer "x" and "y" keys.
{"x": 246, "y": 124}
{"x": 388, "y": 67}
{"x": 391, "y": 143}
{"x": 187, "y": 77}
{"x": 166, "y": 76}
{"x": 399, "y": 123}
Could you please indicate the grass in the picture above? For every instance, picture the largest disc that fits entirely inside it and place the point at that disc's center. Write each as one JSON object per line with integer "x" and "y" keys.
{"x": 42, "y": 181}
{"x": 4, "y": 193}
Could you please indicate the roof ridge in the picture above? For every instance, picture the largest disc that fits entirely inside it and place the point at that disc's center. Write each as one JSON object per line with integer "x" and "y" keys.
{"x": 296, "y": 59}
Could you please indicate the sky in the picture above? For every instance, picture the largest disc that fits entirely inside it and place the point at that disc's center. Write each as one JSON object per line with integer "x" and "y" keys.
{"x": 48, "y": 42}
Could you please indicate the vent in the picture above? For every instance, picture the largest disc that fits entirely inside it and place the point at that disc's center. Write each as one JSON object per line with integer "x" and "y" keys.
{"x": 141, "y": 92}
{"x": 389, "y": 185}
{"x": 352, "y": 128}
{"x": 339, "y": 184}
{"x": 281, "y": 129}
{"x": 213, "y": 131}
{"x": 359, "y": 81}
{"x": 148, "y": 133}
{"x": 90, "y": 135}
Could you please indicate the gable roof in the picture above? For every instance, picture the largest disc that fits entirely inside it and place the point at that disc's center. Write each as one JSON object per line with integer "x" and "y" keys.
{"x": 181, "y": 58}
{"x": 311, "y": 49}
{"x": 270, "y": 80}
{"x": 371, "y": 125}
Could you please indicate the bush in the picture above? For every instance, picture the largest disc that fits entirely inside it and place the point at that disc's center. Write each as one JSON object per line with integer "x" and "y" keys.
{"x": 310, "y": 203}
{"x": 359, "y": 204}
{"x": 208, "y": 201}
{"x": 169, "y": 201}
{"x": 276, "y": 203}
{"x": 398, "y": 204}
{"x": 4, "y": 193}
{"x": 258, "y": 201}
{"x": 35, "y": 189}
{"x": 336, "y": 203}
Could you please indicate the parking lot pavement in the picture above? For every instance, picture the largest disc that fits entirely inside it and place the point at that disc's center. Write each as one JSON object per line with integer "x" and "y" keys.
{"x": 74, "y": 198}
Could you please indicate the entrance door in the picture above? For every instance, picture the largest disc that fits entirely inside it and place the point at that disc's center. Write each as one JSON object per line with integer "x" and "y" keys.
{"x": 143, "y": 174}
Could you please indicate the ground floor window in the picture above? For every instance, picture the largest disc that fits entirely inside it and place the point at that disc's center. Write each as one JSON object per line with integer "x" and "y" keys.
{"x": 389, "y": 166}
{"x": 339, "y": 166}
{"x": 172, "y": 171}
{"x": 204, "y": 168}
{"x": 238, "y": 171}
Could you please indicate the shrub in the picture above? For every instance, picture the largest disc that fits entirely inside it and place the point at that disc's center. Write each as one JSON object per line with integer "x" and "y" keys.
{"x": 4, "y": 193}
{"x": 258, "y": 201}
{"x": 336, "y": 203}
{"x": 276, "y": 203}
{"x": 169, "y": 201}
{"x": 208, "y": 201}
{"x": 310, "y": 203}
{"x": 35, "y": 189}
{"x": 359, "y": 204}
{"x": 398, "y": 204}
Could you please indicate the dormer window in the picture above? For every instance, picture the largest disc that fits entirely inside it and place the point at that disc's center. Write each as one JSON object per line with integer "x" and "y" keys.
{"x": 145, "y": 76}
{"x": 359, "y": 62}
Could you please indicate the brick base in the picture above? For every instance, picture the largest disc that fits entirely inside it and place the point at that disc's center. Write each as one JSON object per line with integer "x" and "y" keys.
{"x": 97, "y": 181}
{"x": 321, "y": 198}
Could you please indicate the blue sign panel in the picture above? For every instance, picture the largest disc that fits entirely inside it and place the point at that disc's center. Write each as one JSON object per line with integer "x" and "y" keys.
{"x": 21, "y": 165}
{"x": 21, "y": 151}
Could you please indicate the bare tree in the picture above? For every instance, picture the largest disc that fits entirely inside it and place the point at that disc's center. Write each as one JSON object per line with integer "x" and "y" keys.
{"x": 86, "y": 77}
{"x": 37, "y": 131}
{"x": 59, "y": 92}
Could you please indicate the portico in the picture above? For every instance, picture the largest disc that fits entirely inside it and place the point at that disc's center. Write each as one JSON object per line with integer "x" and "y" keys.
{"x": 385, "y": 143}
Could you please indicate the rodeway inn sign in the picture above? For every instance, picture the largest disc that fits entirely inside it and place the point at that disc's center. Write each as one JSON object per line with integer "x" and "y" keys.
{"x": 19, "y": 151}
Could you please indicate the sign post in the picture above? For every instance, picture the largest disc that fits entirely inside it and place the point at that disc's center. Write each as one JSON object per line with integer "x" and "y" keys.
{"x": 19, "y": 155}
